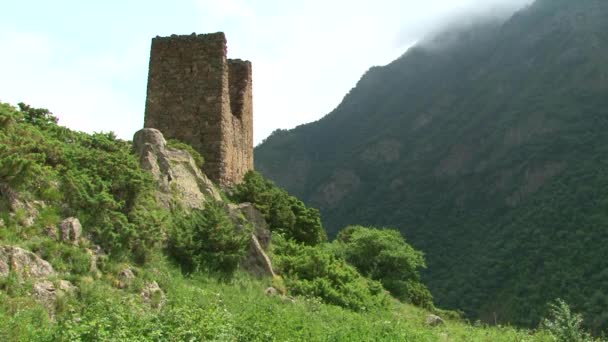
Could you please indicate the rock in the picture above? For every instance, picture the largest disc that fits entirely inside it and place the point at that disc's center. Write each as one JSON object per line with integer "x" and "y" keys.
{"x": 24, "y": 211}
{"x": 153, "y": 295}
{"x": 51, "y": 231}
{"x": 271, "y": 291}
{"x": 44, "y": 291}
{"x": 176, "y": 174}
{"x": 125, "y": 278}
{"x": 433, "y": 320}
{"x": 256, "y": 261}
{"x": 24, "y": 263}
{"x": 95, "y": 255}
{"x": 71, "y": 230}
{"x": 47, "y": 293}
{"x": 255, "y": 217}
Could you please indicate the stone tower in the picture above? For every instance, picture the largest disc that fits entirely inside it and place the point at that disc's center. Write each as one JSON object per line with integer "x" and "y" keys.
{"x": 198, "y": 96}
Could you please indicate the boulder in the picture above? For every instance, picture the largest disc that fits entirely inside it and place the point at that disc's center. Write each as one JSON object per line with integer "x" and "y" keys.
{"x": 177, "y": 176}
{"x": 255, "y": 217}
{"x": 46, "y": 293}
{"x": 153, "y": 295}
{"x": 256, "y": 261}
{"x": 71, "y": 230}
{"x": 125, "y": 278}
{"x": 434, "y": 320}
{"x": 24, "y": 263}
{"x": 271, "y": 291}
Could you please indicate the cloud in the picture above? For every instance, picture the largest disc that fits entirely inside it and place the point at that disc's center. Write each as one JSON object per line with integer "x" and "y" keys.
{"x": 456, "y": 13}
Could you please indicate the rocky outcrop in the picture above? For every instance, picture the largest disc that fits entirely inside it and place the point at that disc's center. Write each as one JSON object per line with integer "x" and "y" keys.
{"x": 71, "y": 230}
{"x": 179, "y": 180}
{"x": 153, "y": 295}
{"x": 46, "y": 292}
{"x": 24, "y": 264}
{"x": 256, "y": 261}
{"x": 24, "y": 211}
{"x": 27, "y": 265}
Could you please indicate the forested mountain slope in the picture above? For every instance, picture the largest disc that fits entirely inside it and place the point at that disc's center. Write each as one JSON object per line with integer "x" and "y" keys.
{"x": 486, "y": 146}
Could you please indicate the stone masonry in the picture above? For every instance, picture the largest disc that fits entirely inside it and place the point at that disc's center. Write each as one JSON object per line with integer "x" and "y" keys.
{"x": 198, "y": 96}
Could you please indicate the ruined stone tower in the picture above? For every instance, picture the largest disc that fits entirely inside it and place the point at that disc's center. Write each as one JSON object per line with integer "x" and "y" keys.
{"x": 198, "y": 96}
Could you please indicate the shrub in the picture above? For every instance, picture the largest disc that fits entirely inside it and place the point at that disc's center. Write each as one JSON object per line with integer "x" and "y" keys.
{"x": 285, "y": 214}
{"x": 207, "y": 240}
{"x": 314, "y": 271}
{"x": 94, "y": 177}
{"x": 385, "y": 256}
{"x": 563, "y": 324}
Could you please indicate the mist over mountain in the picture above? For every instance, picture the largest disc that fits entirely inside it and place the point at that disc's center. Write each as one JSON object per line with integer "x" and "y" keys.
{"x": 486, "y": 146}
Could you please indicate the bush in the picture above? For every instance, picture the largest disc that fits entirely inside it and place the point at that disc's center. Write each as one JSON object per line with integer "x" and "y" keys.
{"x": 94, "y": 177}
{"x": 314, "y": 271}
{"x": 563, "y": 324}
{"x": 285, "y": 214}
{"x": 207, "y": 240}
{"x": 385, "y": 256}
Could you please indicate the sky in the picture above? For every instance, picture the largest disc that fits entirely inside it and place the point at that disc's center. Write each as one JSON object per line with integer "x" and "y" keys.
{"x": 87, "y": 61}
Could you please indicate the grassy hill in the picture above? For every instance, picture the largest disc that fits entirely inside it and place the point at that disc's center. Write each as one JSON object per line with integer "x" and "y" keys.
{"x": 138, "y": 271}
{"x": 485, "y": 147}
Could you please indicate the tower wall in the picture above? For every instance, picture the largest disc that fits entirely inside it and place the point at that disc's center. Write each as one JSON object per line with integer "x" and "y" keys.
{"x": 198, "y": 96}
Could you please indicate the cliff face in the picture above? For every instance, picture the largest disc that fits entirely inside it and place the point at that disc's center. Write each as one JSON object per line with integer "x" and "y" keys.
{"x": 485, "y": 147}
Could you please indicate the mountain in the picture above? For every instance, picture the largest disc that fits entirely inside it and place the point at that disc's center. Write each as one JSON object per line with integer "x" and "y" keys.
{"x": 486, "y": 147}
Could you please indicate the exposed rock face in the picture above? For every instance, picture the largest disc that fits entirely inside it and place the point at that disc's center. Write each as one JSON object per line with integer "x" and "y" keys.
{"x": 24, "y": 263}
{"x": 71, "y": 230}
{"x": 175, "y": 171}
{"x": 198, "y": 96}
{"x": 255, "y": 217}
{"x": 47, "y": 293}
{"x": 256, "y": 260}
{"x": 153, "y": 295}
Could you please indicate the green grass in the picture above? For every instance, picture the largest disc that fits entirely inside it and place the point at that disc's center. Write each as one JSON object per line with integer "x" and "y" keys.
{"x": 203, "y": 308}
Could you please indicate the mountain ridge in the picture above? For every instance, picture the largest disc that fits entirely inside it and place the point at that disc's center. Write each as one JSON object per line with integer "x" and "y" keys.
{"x": 486, "y": 155}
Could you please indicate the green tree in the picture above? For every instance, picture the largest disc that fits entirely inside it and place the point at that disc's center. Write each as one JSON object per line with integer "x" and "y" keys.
{"x": 315, "y": 271}
{"x": 207, "y": 240}
{"x": 285, "y": 214}
{"x": 385, "y": 256}
{"x": 563, "y": 324}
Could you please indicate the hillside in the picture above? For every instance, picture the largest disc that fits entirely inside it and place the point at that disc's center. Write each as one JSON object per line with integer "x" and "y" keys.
{"x": 110, "y": 240}
{"x": 485, "y": 146}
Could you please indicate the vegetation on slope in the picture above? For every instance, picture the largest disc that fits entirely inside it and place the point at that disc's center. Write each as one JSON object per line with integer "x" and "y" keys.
{"x": 485, "y": 147}
{"x": 337, "y": 288}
